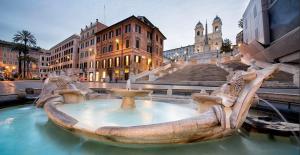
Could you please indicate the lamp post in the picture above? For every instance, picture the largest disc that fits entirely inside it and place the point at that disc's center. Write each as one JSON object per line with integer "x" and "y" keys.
{"x": 217, "y": 52}
{"x": 185, "y": 53}
{"x": 231, "y": 48}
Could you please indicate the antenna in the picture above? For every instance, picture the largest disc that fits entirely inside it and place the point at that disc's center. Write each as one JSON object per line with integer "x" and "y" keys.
{"x": 104, "y": 14}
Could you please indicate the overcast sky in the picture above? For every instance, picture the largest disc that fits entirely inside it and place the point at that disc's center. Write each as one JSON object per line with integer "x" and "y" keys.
{"x": 52, "y": 21}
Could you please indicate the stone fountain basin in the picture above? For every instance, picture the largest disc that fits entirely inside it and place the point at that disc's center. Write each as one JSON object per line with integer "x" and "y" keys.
{"x": 184, "y": 126}
{"x": 129, "y": 93}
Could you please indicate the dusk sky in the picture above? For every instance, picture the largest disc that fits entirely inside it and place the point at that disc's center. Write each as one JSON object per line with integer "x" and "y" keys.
{"x": 52, "y": 21}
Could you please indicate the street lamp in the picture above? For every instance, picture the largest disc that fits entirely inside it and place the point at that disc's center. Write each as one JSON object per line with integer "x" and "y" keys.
{"x": 231, "y": 48}
{"x": 217, "y": 52}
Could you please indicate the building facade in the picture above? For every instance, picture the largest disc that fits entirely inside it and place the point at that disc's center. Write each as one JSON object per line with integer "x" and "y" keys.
{"x": 8, "y": 59}
{"x": 131, "y": 46}
{"x": 275, "y": 26}
{"x": 205, "y": 41}
{"x": 87, "y": 51}
{"x": 64, "y": 56}
{"x": 43, "y": 64}
{"x": 179, "y": 53}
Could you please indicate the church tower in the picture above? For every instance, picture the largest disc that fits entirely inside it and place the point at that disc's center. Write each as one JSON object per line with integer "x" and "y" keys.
{"x": 217, "y": 34}
{"x": 217, "y": 24}
{"x": 198, "y": 36}
{"x": 205, "y": 41}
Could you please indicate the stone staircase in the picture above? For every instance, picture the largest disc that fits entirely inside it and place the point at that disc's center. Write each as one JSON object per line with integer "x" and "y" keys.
{"x": 196, "y": 72}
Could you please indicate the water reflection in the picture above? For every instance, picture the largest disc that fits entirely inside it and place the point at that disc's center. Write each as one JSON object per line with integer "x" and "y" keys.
{"x": 32, "y": 133}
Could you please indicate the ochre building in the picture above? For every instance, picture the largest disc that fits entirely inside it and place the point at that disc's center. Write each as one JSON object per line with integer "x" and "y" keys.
{"x": 131, "y": 46}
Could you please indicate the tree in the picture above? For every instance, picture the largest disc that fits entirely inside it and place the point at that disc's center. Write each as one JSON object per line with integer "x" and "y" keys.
{"x": 28, "y": 60}
{"x": 226, "y": 46}
{"x": 25, "y": 38}
{"x": 20, "y": 48}
{"x": 241, "y": 23}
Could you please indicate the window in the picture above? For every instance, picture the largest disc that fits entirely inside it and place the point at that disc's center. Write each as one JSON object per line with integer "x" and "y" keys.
{"x": 161, "y": 41}
{"x": 117, "y": 46}
{"x": 216, "y": 28}
{"x": 110, "y": 48}
{"x": 104, "y": 64}
{"x": 127, "y": 59}
{"x": 198, "y": 33}
{"x": 91, "y": 64}
{"x": 97, "y": 64}
{"x": 157, "y": 38}
{"x": 137, "y": 43}
{"x": 127, "y": 28}
{"x": 118, "y": 31}
{"x": 110, "y": 34}
{"x": 110, "y": 63}
{"x": 98, "y": 39}
{"x": 138, "y": 28}
{"x": 137, "y": 59}
{"x": 149, "y": 35}
{"x": 149, "y": 49}
{"x": 104, "y": 49}
{"x": 117, "y": 61}
{"x": 127, "y": 43}
{"x": 92, "y": 42}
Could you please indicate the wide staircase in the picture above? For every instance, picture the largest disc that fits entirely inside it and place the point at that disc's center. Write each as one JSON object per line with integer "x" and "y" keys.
{"x": 196, "y": 72}
{"x": 279, "y": 79}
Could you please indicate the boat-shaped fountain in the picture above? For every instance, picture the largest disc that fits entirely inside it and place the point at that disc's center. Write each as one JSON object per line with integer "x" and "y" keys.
{"x": 134, "y": 121}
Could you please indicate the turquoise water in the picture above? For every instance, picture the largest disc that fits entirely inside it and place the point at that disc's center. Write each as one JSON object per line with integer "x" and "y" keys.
{"x": 25, "y": 130}
{"x": 107, "y": 112}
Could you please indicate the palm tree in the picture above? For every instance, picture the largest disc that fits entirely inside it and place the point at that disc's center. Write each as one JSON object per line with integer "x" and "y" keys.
{"x": 28, "y": 60}
{"x": 25, "y": 38}
{"x": 20, "y": 48}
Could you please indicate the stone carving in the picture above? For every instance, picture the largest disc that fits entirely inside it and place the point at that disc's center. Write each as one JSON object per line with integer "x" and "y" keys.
{"x": 224, "y": 112}
{"x": 228, "y": 94}
{"x": 63, "y": 85}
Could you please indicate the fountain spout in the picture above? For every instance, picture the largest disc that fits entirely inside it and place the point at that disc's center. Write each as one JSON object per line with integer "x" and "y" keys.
{"x": 128, "y": 84}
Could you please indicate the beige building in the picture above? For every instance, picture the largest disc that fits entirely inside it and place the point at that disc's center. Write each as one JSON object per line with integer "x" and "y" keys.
{"x": 87, "y": 51}
{"x": 44, "y": 64}
{"x": 64, "y": 56}
{"x": 205, "y": 42}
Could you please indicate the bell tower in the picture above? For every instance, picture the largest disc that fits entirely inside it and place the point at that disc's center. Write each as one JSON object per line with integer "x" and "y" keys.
{"x": 217, "y": 25}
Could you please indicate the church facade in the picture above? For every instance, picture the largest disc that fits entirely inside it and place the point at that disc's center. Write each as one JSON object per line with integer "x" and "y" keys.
{"x": 205, "y": 42}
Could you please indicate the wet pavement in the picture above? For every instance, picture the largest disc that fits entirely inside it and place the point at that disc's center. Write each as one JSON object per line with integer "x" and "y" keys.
{"x": 11, "y": 87}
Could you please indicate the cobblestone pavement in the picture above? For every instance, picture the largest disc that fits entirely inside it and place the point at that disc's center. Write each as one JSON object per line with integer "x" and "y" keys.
{"x": 10, "y": 87}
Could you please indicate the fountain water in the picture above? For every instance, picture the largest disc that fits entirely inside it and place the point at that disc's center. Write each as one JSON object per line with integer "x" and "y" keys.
{"x": 152, "y": 122}
{"x": 128, "y": 84}
{"x": 281, "y": 116}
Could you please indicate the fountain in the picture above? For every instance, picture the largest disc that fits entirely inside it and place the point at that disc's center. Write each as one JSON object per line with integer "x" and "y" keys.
{"x": 151, "y": 122}
{"x": 128, "y": 95}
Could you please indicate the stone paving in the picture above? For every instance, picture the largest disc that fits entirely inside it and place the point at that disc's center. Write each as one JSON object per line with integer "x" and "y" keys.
{"x": 10, "y": 87}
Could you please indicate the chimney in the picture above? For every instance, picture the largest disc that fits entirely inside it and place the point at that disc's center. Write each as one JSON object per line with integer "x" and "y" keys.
{"x": 91, "y": 24}
{"x": 96, "y": 20}
{"x": 86, "y": 26}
